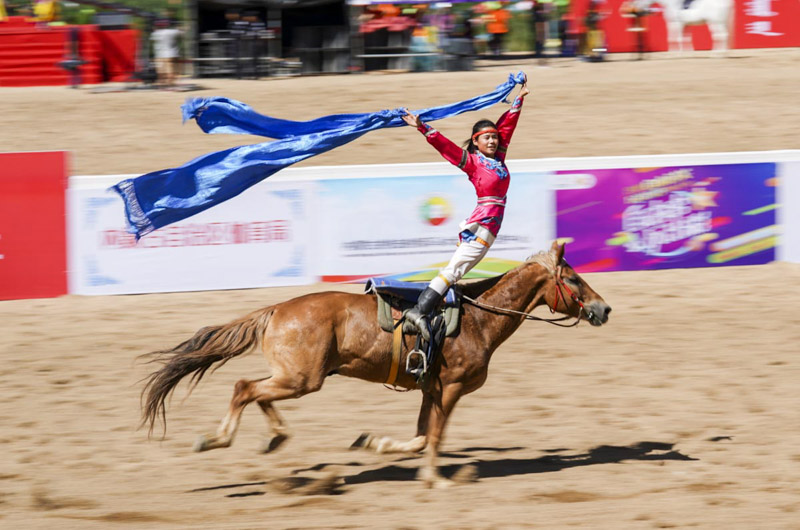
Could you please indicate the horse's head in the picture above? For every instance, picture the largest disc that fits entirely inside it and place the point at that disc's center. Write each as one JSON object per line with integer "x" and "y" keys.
{"x": 569, "y": 294}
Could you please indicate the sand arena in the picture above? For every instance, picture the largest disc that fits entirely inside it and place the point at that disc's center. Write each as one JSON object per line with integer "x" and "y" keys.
{"x": 681, "y": 412}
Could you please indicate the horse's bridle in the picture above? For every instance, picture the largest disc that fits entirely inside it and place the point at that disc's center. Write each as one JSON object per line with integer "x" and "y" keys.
{"x": 560, "y": 288}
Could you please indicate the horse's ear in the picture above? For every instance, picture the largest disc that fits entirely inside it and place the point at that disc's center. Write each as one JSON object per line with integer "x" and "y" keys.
{"x": 558, "y": 250}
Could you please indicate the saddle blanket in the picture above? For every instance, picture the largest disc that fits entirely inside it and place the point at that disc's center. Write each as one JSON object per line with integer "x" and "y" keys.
{"x": 408, "y": 291}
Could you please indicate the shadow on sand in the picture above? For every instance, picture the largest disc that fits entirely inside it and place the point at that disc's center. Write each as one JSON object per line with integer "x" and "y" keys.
{"x": 484, "y": 468}
{"x": 505, "y": 467}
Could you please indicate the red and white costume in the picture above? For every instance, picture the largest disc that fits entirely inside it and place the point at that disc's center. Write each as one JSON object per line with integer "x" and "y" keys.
{"x": 491, "y": 179}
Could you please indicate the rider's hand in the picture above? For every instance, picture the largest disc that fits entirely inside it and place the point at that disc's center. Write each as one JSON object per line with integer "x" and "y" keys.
{"x": 412, "y": 120}
{"x": 524, "y": 90}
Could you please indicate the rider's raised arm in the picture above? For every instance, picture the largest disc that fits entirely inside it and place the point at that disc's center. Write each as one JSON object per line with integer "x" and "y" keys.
{"x": 506, "y": 125}
{"x": 450, "y": 151}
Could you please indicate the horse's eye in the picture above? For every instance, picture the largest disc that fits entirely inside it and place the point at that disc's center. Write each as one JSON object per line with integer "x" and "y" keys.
{"x": 575, "y": 280}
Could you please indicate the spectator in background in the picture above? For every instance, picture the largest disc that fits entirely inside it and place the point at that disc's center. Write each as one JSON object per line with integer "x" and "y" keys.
{"x": 539, "y": 28}
{"x": 72, "y": 57}
{"x": 461, "y": 41}
{"x": 633, "y": 10}
{"x": 422, "y": 39}
{"x": 572, "y": 35}
{"x": 442, "y": 21}
{"x": 595, "y": 38}
{"x": 561, "y": 10}
{"x": 253, "y": 35}
{"x": 166, "y": 52}
{"x": 236, "y": 30}
{"x": 497, "y": 28}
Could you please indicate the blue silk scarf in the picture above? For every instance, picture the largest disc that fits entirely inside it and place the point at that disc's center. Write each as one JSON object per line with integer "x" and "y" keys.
{"x": 164, "y": 197}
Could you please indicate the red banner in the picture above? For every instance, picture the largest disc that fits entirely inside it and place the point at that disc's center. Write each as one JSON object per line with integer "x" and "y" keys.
{"x": 33, "y": 243}
{"x": 753, "y": 24}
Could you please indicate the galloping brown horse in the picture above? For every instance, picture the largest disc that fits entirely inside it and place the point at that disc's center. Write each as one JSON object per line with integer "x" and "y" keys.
{"x": 311, "y": 337}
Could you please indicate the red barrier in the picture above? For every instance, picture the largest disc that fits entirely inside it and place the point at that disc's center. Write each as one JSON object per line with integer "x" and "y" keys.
{"x": 33, "y": 241}
{"x": 30, "y": 55}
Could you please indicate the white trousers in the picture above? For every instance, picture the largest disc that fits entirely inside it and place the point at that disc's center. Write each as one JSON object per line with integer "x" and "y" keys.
{"x": 467, "y": 255}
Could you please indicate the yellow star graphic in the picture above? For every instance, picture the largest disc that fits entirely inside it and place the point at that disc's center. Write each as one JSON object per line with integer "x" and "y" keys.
{"x": 702, "y": 199}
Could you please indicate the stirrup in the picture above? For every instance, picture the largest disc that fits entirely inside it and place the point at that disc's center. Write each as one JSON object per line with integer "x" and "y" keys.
{"x": 416, "y": 372}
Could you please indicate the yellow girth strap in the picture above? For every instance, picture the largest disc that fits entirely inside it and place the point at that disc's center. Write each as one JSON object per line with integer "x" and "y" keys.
{"x": 397, "y": 346}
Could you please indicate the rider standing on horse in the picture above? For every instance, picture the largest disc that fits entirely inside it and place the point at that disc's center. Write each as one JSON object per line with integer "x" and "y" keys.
{"x": 482, "y": 159}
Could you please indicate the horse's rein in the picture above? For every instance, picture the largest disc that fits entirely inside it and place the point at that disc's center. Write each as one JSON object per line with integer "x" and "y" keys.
{"x": 560, "y": 285}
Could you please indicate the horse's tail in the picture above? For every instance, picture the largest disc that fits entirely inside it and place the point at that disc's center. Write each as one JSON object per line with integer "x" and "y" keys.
{"x": 210, "y": 345}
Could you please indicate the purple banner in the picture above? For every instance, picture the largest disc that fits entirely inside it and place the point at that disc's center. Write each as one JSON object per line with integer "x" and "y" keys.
{"x": 664, "y": 218}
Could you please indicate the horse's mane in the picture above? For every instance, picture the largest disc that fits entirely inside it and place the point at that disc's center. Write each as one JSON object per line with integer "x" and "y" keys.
{"x": 475, "y": 288}
{"x": 544, "y": 258}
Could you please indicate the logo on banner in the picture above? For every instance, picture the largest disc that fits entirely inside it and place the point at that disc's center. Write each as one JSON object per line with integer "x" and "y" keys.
{"x": 436, "y": 210}
{"x": 665, "y": 220}
{"x": 658, "y": 227}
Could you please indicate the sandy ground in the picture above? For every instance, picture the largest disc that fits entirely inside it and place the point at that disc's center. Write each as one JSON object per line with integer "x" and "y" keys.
{"x": 681, "y": 412}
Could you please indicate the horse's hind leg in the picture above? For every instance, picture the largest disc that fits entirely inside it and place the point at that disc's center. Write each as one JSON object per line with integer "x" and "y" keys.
{"x": 277, "y": 424}
{"x": 389, "y": 445}
{"x": 244, "y": 393}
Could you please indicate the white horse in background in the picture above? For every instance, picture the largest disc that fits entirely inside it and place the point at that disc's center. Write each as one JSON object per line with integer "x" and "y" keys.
{"x": 715, "y": 13}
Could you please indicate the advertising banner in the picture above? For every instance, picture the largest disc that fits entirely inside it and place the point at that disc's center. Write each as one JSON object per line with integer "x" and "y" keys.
{"x": 669, "y": 217}
{"x": 33, "y": 249}
{"x": 407, "y": 226}
{"x": 259, "y": 239}
{"x": 751, "y": 24}
{"x": 767, "y": 23}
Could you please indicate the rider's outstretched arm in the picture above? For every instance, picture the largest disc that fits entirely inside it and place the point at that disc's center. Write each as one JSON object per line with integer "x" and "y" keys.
{"x": 508, "y": 122}
{"x": 450, "y": 151}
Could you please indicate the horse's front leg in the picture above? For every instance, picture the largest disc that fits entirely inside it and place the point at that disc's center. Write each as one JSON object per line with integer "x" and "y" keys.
{"x": 720, "y": 38}
{"x": 389, "y": 445}
{"x": 442, "y": 406}
{"x": 675, "y": 37}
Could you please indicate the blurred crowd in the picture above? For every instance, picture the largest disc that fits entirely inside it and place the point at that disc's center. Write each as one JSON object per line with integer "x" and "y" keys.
{"x": 550, "y": 28}
{"x": 431, "y": 35}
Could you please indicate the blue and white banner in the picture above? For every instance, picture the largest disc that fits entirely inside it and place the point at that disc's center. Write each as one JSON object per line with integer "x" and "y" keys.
{"x": 406, "y": 226}
{"x": 259, "y": 240}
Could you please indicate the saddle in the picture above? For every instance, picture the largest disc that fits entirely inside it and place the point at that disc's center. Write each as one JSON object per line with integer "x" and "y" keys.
{"x": 394, "y": 299}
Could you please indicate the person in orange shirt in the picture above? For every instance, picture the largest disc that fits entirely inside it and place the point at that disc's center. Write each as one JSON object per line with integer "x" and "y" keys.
{"x": 497, "y": 27}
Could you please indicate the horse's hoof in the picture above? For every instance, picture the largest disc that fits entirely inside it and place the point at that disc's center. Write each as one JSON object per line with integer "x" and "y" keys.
{"x": 434, "y": 479}
{"x": 361, "y": 442}
{"x": 465, "y": 474}
{"x": 442, "y": 483}
{"x": 201, "y": 444}
{"x": 439, "y": 483}
{"x": 274, "y": 443}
